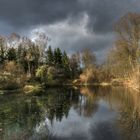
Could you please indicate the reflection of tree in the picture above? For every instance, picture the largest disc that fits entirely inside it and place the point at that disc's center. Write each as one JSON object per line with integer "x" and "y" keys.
{"x": 59, "y": 102}
{"x": 24, "y": 117}
{"x": 121, "y": 99}
{"x": 129, "y": 111}
{"x": 129, "y": 120}
{"x": 130, "y": 124}
{"x": 87, "y": 101}
{"x": 19, "y": 117}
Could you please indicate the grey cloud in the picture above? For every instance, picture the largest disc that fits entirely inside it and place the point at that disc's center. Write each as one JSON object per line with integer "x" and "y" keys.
{"x": 75, "y": 37}
{"x": 5, "y": 28}
{"x": 22, "y": 14}
{"x": 25, "y": 13}
{"x": 104, "y": 13}
{"x": 62, "y": 20}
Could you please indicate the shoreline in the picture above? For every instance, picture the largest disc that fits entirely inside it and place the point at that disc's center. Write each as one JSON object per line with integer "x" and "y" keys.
{"x": 37, "y": 87}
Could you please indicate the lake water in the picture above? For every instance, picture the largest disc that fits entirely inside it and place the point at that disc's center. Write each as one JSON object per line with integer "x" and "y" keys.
{"x": 83, "y": 113}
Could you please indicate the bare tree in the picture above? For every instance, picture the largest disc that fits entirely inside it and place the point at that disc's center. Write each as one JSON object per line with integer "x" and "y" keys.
{"x": 128, "y": 31}
{"x": 88, "y": 58}
{"x": 125, "y": 55}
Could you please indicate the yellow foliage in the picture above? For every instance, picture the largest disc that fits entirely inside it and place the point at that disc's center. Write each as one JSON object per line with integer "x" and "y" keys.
{"x": 11, "y": 67}
{"x": 88, "y": 75}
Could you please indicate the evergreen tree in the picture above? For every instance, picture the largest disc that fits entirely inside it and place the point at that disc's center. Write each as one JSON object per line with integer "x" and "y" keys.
{"x": 65, "y": 60}
{"x": 58, "y": 57}
{"x": 65, "y": 64}
{"x": 50, "y": 56}
{"x": 11, "y": 54}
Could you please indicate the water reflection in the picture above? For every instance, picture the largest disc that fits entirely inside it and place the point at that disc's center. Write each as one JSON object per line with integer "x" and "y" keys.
{"x": 71, "y": 114}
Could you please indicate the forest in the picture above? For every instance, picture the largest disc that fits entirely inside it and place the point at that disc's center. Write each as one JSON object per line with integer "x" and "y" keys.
{"x": 26, "y": 63}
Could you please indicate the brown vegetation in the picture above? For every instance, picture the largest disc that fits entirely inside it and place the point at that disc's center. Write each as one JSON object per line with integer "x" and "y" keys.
{"x": 123, "y": 59}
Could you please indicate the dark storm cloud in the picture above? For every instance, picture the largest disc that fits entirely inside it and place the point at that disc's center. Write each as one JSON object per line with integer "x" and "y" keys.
{"x": 22, "y": 13}
{"x": 23, "y": 16}
{"x": 102, "y": 13}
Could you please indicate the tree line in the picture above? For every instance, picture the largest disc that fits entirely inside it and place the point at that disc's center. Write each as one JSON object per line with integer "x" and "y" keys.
{"x": 22, "y": 57}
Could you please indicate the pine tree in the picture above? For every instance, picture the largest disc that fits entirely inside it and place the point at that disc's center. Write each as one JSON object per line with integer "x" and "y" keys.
{"x": 11, "y": 54}
{"x": 65, "y": 60}
{"x": 65, "y": 64}
{"x": 58, "y": 57}
{"x": 50, "y": 56}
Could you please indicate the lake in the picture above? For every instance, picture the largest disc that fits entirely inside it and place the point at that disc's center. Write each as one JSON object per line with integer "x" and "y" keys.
{"x": 84, "y": 113}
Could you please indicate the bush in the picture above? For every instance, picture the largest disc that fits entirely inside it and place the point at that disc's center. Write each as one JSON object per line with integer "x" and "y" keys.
{"x": 41, "y": 73}
{"x": 89, "y": 76}
{"x": 33, "y": 89}
{"x": 47, "y": 74}
{"x": 12, "y": 76}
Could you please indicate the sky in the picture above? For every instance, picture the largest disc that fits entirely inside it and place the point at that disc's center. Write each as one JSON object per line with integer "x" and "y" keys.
{"x": 70, "y": 24}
